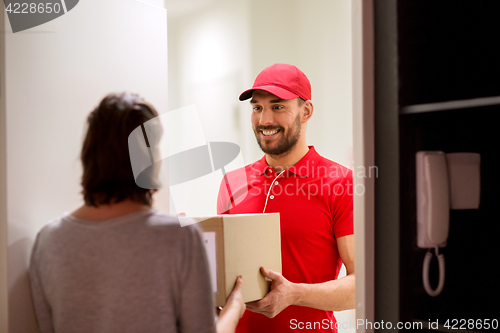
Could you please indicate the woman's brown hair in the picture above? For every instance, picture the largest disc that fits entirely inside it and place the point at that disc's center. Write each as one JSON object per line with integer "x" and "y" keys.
{"x": 107, "y": 171}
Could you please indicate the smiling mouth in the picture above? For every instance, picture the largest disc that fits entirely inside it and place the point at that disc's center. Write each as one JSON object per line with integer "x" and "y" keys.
{"x": 269, "y": 133}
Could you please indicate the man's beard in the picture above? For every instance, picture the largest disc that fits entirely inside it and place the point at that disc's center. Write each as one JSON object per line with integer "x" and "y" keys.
{"x": 285, "y": 144}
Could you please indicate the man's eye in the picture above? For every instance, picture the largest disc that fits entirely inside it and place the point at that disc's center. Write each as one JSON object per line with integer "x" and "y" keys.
{"x": 256, "y": 108}
{"x": 278, "y": 107}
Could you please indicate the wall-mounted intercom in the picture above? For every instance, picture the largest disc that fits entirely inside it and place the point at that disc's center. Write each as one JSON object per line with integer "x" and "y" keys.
{"x": 443, "y": 182}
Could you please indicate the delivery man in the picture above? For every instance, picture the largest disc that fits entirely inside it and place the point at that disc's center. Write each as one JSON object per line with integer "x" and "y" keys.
{"x": 314, "y": 198}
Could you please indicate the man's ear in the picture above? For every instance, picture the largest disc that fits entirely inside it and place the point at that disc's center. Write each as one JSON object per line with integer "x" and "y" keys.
{"x": 307, "y": 110}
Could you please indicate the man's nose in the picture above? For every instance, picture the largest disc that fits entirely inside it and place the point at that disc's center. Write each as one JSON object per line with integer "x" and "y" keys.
{"x": 266, "y": 117}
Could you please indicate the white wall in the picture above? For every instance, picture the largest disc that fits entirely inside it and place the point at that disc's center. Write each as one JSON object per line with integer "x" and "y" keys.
{"x": 55, "y": 75}
{"x": 209, "y": 65}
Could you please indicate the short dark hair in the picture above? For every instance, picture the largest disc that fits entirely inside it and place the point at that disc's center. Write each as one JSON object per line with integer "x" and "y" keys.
{"x": 107, "y": 171}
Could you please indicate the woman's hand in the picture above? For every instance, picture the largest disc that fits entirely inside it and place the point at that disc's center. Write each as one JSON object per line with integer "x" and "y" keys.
{"x": 233, "y": 310}
{"x": 235, "y": 299}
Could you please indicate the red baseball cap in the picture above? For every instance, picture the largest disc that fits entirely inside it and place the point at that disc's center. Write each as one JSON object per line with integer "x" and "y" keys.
{"x": 282, "y": 80}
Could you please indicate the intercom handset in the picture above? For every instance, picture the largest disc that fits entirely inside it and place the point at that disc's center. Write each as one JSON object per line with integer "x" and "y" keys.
{"x": 437, "y": 176}
{"x": 433, "y": 211}
{"x": 433, "y": 203}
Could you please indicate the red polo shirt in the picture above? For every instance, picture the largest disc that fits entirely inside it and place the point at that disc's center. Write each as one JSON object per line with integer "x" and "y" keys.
{"x": 314, "y": 199}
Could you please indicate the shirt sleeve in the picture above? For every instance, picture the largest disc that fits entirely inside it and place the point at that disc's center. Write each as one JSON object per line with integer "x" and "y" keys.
{"x": 42, "y": 308}
{"x": 343, "y": 223}
{"x": 196, "y": 311}
{"x": 222, "y": 198}
{"x": 232, "y": 190}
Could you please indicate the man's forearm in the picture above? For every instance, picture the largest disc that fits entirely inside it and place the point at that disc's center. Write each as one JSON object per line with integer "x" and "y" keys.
{"x": 335, "y": 295}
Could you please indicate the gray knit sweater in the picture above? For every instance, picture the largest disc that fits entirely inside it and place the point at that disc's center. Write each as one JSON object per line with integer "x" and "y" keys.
{"x": 139, "y": 272}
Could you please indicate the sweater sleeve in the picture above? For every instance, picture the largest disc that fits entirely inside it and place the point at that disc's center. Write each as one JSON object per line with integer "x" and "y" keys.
{"x": 196, "y": 311}
{"x": 42, "y": 308}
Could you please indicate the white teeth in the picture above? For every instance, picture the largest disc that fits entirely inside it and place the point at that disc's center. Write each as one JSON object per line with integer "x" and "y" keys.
{"x": 266, "y": 132}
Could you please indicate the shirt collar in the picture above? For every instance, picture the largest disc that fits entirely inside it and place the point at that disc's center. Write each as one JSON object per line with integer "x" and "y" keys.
{"x": 303, "y": 168}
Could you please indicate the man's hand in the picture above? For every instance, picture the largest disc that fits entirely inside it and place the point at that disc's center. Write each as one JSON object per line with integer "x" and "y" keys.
{"x": 283, "y": 294}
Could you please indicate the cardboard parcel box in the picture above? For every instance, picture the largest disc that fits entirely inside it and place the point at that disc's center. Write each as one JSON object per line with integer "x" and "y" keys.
{"x": 239, "y": 245}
